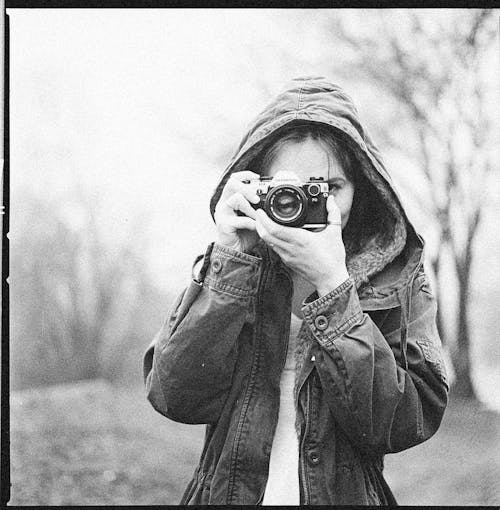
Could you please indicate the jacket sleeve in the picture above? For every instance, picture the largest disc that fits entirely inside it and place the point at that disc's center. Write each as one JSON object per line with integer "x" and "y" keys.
{"x": 189, "y": 365}
{"x": 380, "y": 405}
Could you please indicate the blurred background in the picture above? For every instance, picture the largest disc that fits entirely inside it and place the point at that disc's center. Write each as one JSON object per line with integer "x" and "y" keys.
{"x": 121, "y": 122}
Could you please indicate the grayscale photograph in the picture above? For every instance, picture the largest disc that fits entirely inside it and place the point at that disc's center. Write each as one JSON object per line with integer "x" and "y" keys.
{"x": 254, "y": 256}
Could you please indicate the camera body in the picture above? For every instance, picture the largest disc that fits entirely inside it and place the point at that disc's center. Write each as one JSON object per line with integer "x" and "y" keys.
{"x": 289, "y": 202}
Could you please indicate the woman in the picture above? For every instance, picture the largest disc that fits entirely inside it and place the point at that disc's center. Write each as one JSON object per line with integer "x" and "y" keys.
{"x": 310, "y": 353}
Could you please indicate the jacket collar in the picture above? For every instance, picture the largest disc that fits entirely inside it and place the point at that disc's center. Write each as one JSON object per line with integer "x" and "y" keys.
{"x": 384, "y": 289}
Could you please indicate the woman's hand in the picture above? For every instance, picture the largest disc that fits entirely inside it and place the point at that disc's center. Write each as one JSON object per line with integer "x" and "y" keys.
{"x": 237, "y": 232}
{"x": 319, "y": 257}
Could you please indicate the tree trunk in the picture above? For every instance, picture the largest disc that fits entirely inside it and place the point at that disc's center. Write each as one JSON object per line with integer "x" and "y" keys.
{"x": 463, "y": 387}
{"x": 436, "y": 267}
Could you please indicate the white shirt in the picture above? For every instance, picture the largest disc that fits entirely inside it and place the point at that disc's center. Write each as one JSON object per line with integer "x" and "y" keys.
{"x": 283, "y": 481}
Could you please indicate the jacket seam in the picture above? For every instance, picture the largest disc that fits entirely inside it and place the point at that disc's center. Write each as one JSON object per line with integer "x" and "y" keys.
{"x": 314, "y": 305}
{"x": 331, "y": 336}
{"x": 299, "y": 102}
{"x": 233, "y": 464}
{"x": 227, "y": 288}
{"x": 232, "y": 253}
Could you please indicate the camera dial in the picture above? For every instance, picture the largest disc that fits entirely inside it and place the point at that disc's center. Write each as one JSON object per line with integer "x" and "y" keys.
{"x": 314, "y": 190}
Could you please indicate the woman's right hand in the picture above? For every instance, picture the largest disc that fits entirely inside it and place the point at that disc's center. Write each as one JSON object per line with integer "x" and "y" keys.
{"x": 237, "y": 232}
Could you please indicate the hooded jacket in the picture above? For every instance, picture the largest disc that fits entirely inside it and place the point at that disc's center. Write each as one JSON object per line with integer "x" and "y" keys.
{"x": 369, "y": 378}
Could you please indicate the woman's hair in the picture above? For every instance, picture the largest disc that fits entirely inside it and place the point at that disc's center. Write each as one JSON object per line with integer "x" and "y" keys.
{"x": 369, "y": 216}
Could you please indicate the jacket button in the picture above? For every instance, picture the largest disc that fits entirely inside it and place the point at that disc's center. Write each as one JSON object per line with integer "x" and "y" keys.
{"x": 321, "y": 322}
{"x": 216, "y": 265}
{"x": 313, "y": 458}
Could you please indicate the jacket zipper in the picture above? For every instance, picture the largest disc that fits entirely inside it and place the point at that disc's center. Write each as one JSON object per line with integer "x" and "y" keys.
{"x": 302, "y": 471}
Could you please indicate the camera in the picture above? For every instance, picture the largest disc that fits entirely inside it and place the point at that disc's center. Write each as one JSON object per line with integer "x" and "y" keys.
{"x": 293, "y": 203}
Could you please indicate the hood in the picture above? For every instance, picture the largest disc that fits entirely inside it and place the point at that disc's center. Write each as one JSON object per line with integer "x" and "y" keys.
{"x": 317, "y": 100}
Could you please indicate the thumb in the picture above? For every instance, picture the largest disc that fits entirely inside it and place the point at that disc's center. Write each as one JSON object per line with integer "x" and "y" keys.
{"x": 334, "y": 217}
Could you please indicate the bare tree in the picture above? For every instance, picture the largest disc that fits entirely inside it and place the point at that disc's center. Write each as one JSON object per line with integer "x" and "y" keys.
{"x": 433, "y": 68}
{"x": 80, "y": 303}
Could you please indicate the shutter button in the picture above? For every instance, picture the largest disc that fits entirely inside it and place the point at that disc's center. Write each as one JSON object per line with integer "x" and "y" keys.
{"x": 216, "y": 265}
{"x": 321, "y": 322}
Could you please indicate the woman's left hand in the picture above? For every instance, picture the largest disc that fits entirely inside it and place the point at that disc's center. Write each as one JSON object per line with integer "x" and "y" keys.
{"x": 319, "y": 257}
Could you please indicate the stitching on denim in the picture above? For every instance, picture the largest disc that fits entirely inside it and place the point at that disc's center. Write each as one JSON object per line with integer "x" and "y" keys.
{"x": 218, "y": 285}
{"x": 337, "y": 355}
{"x": 299, "y": 102}
{"x": 331, "y": 336}
{"x": 227, "y": 288}
{"x": 340, "y": 330}
{"x": 347, "y": 396}
{"x": 241, "y": 256}
{"x": 233, "y": 466}
{"x": 313, "y": 307}
{"x": 273, "y": 126}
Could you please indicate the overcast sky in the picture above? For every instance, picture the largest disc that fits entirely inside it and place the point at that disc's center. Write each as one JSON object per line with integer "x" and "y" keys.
{"x": 116, "y": 98}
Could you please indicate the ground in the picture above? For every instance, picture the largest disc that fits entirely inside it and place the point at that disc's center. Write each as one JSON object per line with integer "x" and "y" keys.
{"x": 94, "y": 444}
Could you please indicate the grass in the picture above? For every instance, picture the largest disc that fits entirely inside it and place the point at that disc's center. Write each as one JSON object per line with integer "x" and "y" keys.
{"x": 91, "y": 443}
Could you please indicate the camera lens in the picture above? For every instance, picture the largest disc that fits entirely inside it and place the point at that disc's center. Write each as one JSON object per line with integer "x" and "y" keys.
{"x": 286, "y": 204}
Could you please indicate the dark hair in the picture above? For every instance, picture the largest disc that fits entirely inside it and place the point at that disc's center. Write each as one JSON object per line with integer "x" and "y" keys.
{"x": 368, "y": 217}
{"x": 298, "y": 133}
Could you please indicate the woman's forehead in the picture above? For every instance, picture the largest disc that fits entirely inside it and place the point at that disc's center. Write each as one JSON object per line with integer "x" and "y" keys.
{"x": 309, "y": 158}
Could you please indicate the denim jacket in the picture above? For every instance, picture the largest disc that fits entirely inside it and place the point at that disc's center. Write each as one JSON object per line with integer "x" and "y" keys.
{"x": 370, "y": 377}
{"x": 218, "y": 360}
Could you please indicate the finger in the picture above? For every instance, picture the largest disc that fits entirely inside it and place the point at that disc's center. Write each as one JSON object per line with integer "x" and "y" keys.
{"x": 334, "y": 216}
{"x": 283, "y": 253}
{"x": 281, "y": 232}
{"x": 238, "y": 202}
{"x": 241, "y": 222}
{"x": 244, "y": 175}
{"x": 266, "y": 236}
{"x": 248, "y": 190}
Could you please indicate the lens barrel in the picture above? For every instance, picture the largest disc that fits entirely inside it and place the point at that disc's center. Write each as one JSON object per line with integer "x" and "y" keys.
{"x": 286, "y": 204}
